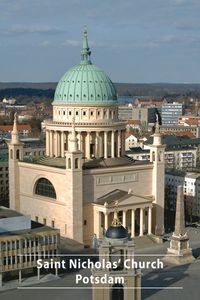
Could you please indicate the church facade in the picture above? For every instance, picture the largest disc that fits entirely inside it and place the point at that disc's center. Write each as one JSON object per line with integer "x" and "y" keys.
{"x": 85, "y": 170}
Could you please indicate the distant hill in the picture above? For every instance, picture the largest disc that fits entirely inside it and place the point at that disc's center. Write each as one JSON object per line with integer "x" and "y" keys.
{"x": 27, "y": 91}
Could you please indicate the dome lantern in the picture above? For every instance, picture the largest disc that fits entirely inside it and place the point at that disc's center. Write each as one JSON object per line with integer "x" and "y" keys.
{"x": 85, "y": 52}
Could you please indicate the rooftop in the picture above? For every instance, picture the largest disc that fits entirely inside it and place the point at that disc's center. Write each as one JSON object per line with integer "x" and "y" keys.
{"x": 123, "y": 198}
{"x": 173, "y": 140}
{"x": 60, "y": 162}
{"x": 8, "y": 213}
{"x": 13, "y": 230}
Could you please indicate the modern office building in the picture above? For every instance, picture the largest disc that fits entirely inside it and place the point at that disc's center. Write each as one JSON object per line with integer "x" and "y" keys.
{"x": 145, "y": 115}
{"x": 22, "y": 242}
{"x": 191, "y": 189}
{"x": 170, "y": 112}
{"x": 125, "y": 112}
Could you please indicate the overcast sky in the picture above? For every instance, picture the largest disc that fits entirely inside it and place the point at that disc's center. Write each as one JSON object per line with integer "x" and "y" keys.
{"x": 132, "y": 40}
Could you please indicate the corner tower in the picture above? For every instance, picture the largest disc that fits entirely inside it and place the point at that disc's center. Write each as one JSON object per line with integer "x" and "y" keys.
{"x": 15, "y": 150}
{"x": 75, "y": 187}
{"x": 157, "y": 157}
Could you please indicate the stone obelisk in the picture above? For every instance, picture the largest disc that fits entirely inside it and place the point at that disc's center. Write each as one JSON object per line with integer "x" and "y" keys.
{"x": 179, "y": 251}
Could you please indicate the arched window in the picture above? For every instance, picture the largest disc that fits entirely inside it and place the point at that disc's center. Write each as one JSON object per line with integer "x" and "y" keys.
{"x": 45, "y": 188}
{"x": 161, "y": 156}
{"x": 76, "y": 163}
{"x": 153, "y": 156}
{"x": 11, "y": 154}
{"x": 69, "y": 163}
{"x": 17, "y": 154}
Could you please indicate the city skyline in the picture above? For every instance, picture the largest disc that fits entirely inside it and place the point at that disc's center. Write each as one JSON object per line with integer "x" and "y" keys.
{"x": 133, "y": 41}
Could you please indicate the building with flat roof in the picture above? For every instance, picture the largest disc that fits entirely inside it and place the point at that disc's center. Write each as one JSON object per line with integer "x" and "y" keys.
{"x": 23, "y": 241}
{"x": 191, "y": 189}
{"x": 170, "y": 112}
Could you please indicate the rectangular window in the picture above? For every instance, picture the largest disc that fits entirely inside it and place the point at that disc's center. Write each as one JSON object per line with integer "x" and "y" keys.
{"x": 53, "y": 223}
{"x": 44, "y": 221}
{"x": 36, "y": 219}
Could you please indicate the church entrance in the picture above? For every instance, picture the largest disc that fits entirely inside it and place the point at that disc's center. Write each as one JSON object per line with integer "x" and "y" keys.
{"x": 117, "y": 292}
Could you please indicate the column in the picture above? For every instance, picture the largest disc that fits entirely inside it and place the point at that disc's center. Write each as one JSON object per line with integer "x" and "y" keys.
{"x": 100, "y": 145}
{"x": 105, "y": 144}
{"x": 141, "y": 221}
{"x": 56, "y": 271}
{"x": 124, "y": 218}
{"x": 47, "y": 142}
{"x": 98, "y": 233}
{"x": 66, "y": 140}
{"x": 106, "y": 221}
{"x": 1, "y": 282}
{"x": 55, "y": 143}
{"x": 97, "y": 145}
{"x": 118, "y": 143}
{"x": 58, "y": 143}
{"x": 20, "y": 276}
{"x": 133, "y": 223}
{"x": 138, "y": 284}
{"x": 149, "y": 220}
{"x": 51, "y": 143}
{"x": 38, "y": 273}
{"x": 122, "y": 142}
{"x": 62, "y": 143}
{"x": 88, "y": 145}
{"x": 113, "y": 144}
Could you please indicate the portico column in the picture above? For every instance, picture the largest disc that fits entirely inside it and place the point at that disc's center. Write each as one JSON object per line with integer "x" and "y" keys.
{"x": 62, "y": 143}
{"x": 55, "y": 143}
{"x": 105, "y": 144}
{"x": 141, "y": 221}
{"x": 122, "y": 142}
{"x": 118, "y": 143}
{"x": 106, "y": 221}
{"x": 47, "y": 142}
{"x": 98, "y": 233}
{"x": 20, "y": 277}
{"x": 149, "y": 220}
{"x": 58, "y": 143}
{"x": 124, "y": 218}
{"x": 51, "y": 143}
{"x": 113, "y": 144}
{"x": 133, "y": 223}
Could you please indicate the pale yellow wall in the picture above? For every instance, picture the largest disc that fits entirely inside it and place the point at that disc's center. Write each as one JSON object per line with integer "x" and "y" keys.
{"x": 142, "y": 185}
{"x": 88, "y": 230}
{"x": 59, "y": 210}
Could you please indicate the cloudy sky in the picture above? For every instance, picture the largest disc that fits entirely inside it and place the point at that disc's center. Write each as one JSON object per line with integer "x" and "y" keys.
{"x": 132, "y": 40}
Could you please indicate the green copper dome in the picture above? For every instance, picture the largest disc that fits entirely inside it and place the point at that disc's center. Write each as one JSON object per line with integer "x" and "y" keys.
{"x": 85, "y": 83}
